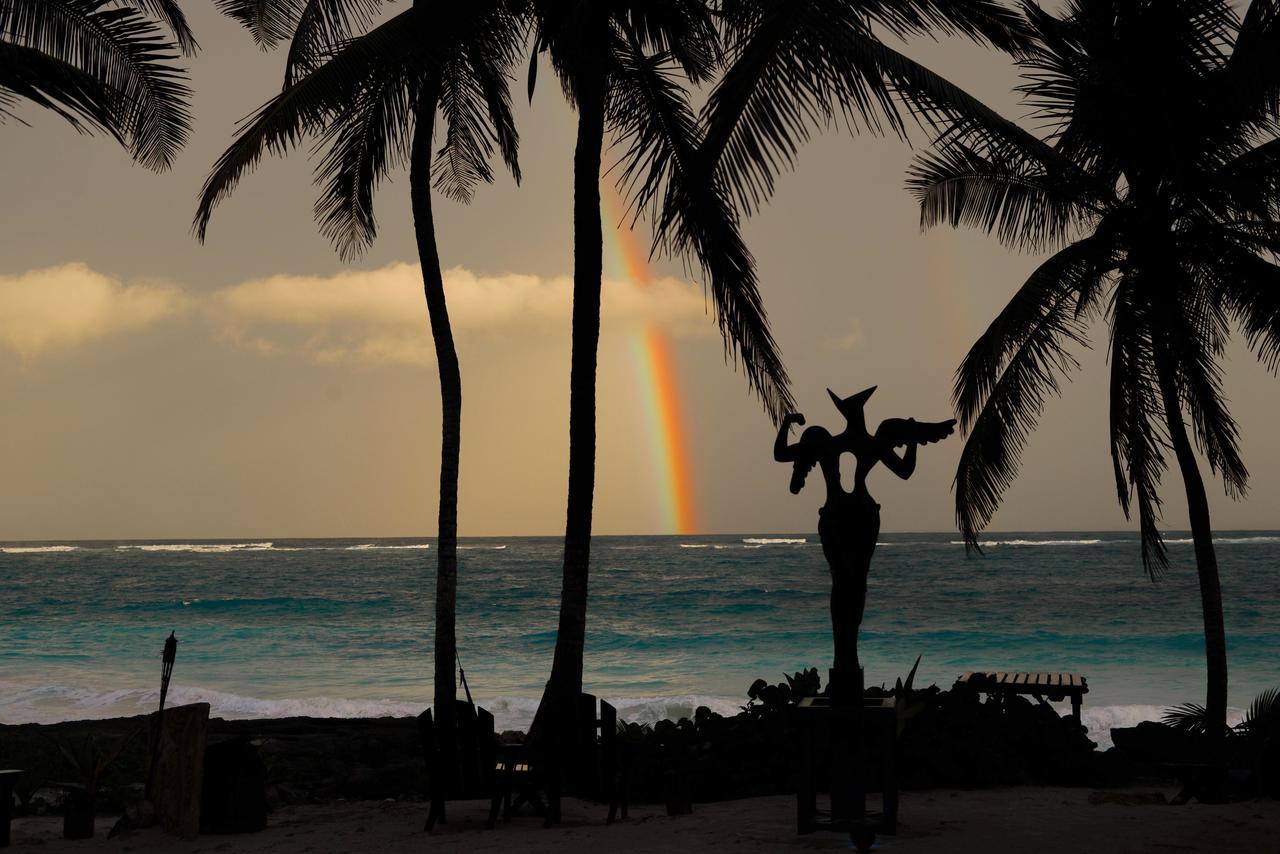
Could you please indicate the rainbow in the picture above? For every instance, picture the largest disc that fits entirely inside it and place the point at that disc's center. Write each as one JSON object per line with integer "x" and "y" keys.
{"x": 626, "y": 259}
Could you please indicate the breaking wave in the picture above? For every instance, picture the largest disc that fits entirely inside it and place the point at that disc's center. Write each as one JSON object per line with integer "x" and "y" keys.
{"x": 201, "y": 548}
{"x": 27, "y": 550}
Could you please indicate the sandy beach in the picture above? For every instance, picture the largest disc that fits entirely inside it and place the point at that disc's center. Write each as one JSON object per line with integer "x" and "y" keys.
{"x": 1028, "y": 818}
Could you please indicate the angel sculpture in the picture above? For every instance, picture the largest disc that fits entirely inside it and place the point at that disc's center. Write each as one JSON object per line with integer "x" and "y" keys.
{"x": 849, "y": 522}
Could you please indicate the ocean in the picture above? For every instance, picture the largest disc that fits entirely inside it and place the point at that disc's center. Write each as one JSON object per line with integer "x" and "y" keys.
{"x": 343, "y": 628}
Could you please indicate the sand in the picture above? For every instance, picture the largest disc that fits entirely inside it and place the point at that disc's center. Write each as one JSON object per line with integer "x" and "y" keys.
{"x": 1023, "y": 819}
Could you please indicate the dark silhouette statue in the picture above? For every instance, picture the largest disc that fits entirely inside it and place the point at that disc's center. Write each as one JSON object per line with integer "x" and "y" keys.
{"x": 849, "y": 522}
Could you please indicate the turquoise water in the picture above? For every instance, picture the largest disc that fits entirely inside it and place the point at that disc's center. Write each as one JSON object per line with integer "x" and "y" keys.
{"x": 327, "y": 627}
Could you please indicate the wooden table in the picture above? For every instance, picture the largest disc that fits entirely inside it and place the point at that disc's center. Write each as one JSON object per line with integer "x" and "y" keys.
{"x": 873, "y": 727}
{"x": 1052, "y": 686}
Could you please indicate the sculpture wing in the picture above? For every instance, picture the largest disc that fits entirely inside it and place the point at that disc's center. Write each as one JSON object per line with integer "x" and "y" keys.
{"x": 896, "y": 432}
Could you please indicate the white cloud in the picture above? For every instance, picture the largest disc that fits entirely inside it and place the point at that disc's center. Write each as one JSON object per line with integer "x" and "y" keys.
{"x": 64, "y": 306}
{"x": 380, "y": 316}
{"x": 851, "y": 341}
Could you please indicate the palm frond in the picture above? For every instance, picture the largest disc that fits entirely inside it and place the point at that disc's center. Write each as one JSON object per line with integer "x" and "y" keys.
{"x": 1189, "y": 718}
{"x": 268, "y": 21}
{"x": 1137, "y": 430}
{"x": 1199, "y": 343}
{"x": 310, "y": 104}
{"x": 475, "y": 101}
{"x": 1002, "y": 385}
{"x": 365, "y": 141}
{"x": 125, "y": 51}
{"x": 170, "y": 13}
{"x": 321, "y": 27}
{"x": 650, "y": 112}
{"x": 1254, "y": 66}
{"x": 958, "y": 186}
{"x": 58, "y": 86}
{"x": 1262, "y": 718}
{"x": 1250, "y": 289}
{"x": 684, "y": 30}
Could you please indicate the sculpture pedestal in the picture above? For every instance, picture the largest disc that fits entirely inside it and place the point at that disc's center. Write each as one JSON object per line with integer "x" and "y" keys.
{"x": 861, "y": 738}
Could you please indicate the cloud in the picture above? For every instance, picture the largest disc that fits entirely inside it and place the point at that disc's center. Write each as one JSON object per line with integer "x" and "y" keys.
{"x": 380, "y": 316}
{"x": 851, "y": 341}
{"x": 64, "y": 306}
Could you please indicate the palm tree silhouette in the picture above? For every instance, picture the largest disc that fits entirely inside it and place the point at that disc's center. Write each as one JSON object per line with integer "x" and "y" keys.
{"x": 620, "y": 64}
{"x": 795, "y": 66}
{"x": 373, "y": 100}
{"x": 1158, "y": 188}
{"x": 102, "y": 65}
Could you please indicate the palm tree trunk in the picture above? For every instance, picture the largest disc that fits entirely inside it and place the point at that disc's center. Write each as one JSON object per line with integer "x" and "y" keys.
{"x": 451, "y": 419}
{"x": 588, "y": 247}
{"x": 1215, "y": 637}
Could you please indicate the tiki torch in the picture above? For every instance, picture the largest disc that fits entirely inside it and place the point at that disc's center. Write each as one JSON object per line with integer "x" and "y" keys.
{"x": 167, "y": 658}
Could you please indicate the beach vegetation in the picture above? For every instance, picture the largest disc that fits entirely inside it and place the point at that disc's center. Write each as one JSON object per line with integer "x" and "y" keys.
{"x": 1152, "y": 184}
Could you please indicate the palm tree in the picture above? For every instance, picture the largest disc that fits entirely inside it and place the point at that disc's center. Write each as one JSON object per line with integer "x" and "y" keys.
{"x": 102, "y": 65}
{"x": 373, "y": 101}
{"x": 620, "y": 64}
{"x": 1157, "y": 187}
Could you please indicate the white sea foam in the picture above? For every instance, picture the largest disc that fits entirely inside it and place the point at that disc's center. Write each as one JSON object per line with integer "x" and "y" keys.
{"x": 993, "y": 543}
{"x": 1100, "y": 720}
{"x": 25, "y": 550}
{"x": 694, "y": 546}
{"x": 373, "y": 547}
{"x": 775, "y": 541}
{"x": 1224, "y": 541}
{"x": 200, "y": 548}
{"x": 485, "y": 548}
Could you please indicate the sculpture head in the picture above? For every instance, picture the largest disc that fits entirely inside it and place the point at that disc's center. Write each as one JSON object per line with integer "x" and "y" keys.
{"x": 812, "y": 445}
{"x": 851, "y": 407}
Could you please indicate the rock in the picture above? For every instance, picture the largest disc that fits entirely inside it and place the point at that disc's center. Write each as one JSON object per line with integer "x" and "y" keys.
{"x": 179, "y": 775}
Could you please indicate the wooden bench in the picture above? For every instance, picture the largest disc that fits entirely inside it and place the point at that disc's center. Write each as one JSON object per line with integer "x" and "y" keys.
{"x": 1051, "y": 686}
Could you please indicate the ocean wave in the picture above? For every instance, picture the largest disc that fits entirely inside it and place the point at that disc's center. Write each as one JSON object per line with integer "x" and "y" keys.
{"x": 27, "y": 550}
{"x": 201, "y": 548}
{"x": 1224, "y": 541}
{"x": 775, "y": 541}
{"x": 470, "y": 548}
{"x": 694, "y": 546}
{"x": 1100, "y": 720}
{"x": 373, "y": 547}
{"x": 993, "y": 543}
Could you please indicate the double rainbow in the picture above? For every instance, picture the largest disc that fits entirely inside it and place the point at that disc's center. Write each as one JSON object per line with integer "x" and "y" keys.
{"x": 626, "y": 260}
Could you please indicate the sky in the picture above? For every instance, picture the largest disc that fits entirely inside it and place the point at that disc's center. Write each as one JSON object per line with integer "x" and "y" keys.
{"x": 257, "y": 386}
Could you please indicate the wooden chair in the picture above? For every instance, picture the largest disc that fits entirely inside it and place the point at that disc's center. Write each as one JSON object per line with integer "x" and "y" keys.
{"x": 585, "y": 757}
{"x": 1053, "y": 686}
{"x": 461, "y": 768}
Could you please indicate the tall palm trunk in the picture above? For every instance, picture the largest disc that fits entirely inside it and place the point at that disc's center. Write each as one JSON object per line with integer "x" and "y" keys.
{"x": 588, "y": 249}
{"x": 1215, "y": 636}
{"x": 451, "y": 418}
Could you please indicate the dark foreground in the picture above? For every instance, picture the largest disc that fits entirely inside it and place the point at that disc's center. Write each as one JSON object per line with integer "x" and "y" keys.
{"x": 1025, "y": 818}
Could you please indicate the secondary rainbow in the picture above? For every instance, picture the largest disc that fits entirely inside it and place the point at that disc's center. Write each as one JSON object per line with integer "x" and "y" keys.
{"x": 627, "y": 260}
